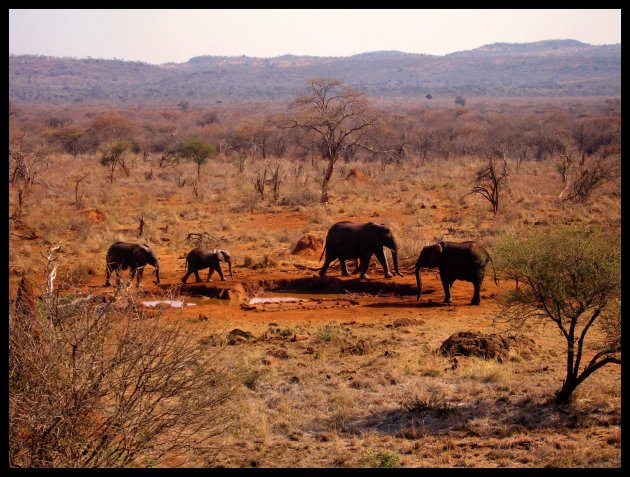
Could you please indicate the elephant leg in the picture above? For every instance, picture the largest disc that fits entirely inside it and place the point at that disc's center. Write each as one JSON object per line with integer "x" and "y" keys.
{"x": 322, "y": 272}
{"x": 185, "y": 277}
{"x": 210, "y": 272}
{"x": 380, "y": 255}
{"x": 365, "y": 263}
{"x": 220, "y": 274}
{"x": 344, "y": 269}
{"x": 446, "y": 284}
{"x": 118, "y": 277}
{"x": 356, "y": 266}
{"x": 476, "y": 299}
{"x": 197, "y": 277}
{"x": 139, "y": 277}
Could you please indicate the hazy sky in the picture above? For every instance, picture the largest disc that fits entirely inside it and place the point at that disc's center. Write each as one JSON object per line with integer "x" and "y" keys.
{"x": 161, "y": 36}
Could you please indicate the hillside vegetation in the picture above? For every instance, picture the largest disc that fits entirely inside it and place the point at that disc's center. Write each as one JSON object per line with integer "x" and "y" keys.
{"x": 548, "y": 68}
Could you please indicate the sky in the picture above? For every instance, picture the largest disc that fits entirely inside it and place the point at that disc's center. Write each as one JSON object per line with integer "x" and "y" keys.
{"x": 162, "y": 36}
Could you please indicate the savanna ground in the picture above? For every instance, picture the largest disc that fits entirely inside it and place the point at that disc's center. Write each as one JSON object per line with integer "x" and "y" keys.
{"x": 366, "y": 387}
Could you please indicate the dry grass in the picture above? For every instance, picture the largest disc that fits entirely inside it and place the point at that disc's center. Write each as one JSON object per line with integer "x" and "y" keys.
{"x": 357, "y": 392}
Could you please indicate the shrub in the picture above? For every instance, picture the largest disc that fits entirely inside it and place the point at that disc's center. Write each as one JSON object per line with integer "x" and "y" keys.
{"x": 93, "y": 384}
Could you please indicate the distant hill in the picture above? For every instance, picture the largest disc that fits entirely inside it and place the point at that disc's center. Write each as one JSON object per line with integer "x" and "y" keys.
{"x": 545, "y": 68}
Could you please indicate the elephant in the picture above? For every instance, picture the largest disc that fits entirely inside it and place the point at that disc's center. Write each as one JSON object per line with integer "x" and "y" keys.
{"x": 456, "y": 261}
{"x": 200, "y": 258}
{"x": 352, "y": 240}
{"x": 135, "y": 256}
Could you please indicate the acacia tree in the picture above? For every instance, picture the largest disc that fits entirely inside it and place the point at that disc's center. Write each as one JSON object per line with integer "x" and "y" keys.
{"x": 571, "y": 276}
{"x": 197, "y": 150}
{"x": 337, "y": 114}
{"x": 115, "y": 156}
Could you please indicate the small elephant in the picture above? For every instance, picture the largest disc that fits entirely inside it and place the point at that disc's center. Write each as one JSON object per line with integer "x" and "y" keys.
{"x": 456, "y": 261}
{"x": 135, "y": 256}
{"x": 200, "y": 258}
{"x": 349, "y": 240}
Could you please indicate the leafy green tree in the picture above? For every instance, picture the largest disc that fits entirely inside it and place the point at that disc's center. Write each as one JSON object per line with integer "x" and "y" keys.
{"x": 115, "y": 157}
{"x": 570, "y": 276}
{"x": 197, "y": 150}
{"x": 69, "y": 140}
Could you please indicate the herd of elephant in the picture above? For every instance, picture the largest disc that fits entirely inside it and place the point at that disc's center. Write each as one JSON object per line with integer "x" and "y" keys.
{"x": 345, "y": 241}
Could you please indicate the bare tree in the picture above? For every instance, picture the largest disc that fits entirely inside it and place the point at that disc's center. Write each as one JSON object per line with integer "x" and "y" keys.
{"x": 261, "y": 182}
{"x": 589, "y": 178}
{"x": 490, "y": 179}
{"x": 26, "y": 165}
{"x": 141, "y": 226}
{"x": 335, "y": 113}
{"x": 273, "y": 176}
{"x": 78, "y": 198}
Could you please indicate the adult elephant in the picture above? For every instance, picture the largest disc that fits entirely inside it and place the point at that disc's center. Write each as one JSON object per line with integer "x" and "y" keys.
{"x": 135, "y": 256}
{"x": 200, "y": 258}
{"x": 456, "y": 261}
{"x": 350, "y": 240}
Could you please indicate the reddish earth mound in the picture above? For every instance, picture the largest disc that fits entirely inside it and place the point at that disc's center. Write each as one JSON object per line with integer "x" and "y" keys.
{"x": 94, "y": 215}
{"x": 308, "y": 244}
{"x": 356, "y": 174}
{"x": 471, "y": 343}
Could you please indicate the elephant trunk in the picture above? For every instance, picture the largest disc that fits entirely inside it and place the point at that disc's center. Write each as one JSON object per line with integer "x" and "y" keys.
{"x": 230, "y": 268}
{"x": 395, "y": 260}
{"x": 418, "y": 281}
{"x": 394, "y": 248}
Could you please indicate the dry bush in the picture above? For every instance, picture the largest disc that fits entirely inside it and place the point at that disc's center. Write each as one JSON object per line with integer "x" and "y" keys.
{"x": 95, "y": 385}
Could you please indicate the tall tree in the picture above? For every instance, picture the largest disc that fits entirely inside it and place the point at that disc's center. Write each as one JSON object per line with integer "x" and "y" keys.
{"x": 336, "y": 114}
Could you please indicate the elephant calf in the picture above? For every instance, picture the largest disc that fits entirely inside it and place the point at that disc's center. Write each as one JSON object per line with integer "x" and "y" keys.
{"x": 456, "y": 261}
{"x": 135, "y": 256}
{"x": 200, "y": 258}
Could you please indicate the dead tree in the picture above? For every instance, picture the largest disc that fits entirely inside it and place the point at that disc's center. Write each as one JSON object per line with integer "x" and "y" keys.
{"x": 588, "y": 178}
{"x": 52, "y": 260}
{"x": 195, "y": 188}
{"x": 78, "y": 198}
{"x": 336, "y": 114}
{"x": 141, "y": 226}
{"x": 490, "y": 179}
{"x": 261, "y": 181}
{"x": 203, "y": 239}
{"x": 275, "y": 181}
{"x": 25, "y": 164}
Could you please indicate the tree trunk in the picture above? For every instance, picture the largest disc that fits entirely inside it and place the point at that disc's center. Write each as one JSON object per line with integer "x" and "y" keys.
{"x": 326, "y": 179}
{"x": 564, "y": 394}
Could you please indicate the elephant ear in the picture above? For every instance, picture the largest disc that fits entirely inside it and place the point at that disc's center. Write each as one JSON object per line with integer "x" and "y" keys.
{"x": 222, "y": 255}
{"x": 141, "y": 252}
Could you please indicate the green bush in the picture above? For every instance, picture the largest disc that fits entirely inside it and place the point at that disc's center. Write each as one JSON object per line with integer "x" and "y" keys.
{"x": 571, "y": 276}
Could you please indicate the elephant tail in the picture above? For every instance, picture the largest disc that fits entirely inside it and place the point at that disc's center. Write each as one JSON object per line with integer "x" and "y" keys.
{"x": 323, "y": 252}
